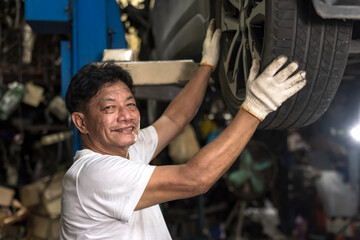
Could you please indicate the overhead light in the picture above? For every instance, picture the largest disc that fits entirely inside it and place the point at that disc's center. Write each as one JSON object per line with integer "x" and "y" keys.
{"x": 355, "y": 133}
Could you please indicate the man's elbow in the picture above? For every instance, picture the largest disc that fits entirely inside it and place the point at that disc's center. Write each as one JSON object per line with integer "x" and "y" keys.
{"x": 199, "y": 183}
{"x": 204, "y": 188}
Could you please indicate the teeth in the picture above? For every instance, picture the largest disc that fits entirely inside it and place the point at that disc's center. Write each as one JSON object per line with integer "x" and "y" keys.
{"x": 122, "y": 129}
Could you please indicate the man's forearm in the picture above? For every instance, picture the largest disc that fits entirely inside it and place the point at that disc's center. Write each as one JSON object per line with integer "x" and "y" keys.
{"x": 184, "y": 106}
{"x": 213, "y": 160}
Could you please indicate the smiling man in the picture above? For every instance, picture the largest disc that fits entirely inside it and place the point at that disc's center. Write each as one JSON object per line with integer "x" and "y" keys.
{"x": 111, "y": 191}
{"x": 117, "y": 116}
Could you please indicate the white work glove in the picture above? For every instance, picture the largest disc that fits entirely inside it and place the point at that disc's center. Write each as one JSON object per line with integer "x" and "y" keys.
{"x": 211, "y": 46}
{"x": 266, "y": 92}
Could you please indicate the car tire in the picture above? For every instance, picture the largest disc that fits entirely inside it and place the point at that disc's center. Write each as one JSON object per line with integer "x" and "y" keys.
{"x": 269, "y": 28}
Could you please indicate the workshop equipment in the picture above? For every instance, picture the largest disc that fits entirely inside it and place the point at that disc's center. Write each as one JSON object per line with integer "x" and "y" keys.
{"x": 98, "y": 34}
{"x": 93, "y": 25}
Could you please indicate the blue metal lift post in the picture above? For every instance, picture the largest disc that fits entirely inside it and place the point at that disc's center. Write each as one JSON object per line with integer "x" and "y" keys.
{"x": 94, "y": 26}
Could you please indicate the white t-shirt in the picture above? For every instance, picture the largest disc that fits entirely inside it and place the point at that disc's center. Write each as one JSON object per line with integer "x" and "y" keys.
{"x": 100, "y": 193}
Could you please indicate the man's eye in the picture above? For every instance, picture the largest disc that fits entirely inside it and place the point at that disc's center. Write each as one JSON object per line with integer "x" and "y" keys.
{"x": 131, "y": 105}
{"x": 109, "y": 108}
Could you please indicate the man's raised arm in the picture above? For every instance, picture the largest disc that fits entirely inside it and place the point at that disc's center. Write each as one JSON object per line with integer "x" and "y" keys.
{"x": 184, "y": 106}
{"x": 264, "y": 94}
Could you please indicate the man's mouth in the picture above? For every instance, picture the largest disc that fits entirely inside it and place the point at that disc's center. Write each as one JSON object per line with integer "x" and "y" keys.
{"x": 124, "y": 129}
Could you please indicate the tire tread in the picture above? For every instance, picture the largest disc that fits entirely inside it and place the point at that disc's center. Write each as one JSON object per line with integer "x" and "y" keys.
{"x": 319, "y": 46}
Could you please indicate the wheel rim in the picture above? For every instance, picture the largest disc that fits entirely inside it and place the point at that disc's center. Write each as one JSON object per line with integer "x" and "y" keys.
{"x": 242, "y": 25}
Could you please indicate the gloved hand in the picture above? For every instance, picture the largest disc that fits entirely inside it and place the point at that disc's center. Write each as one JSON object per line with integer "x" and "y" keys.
{"x": 211, "y": 46}
{"x": 266, "y": 92}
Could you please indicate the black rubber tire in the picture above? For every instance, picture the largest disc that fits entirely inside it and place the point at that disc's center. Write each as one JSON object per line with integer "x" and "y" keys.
{"x": 293, "y": 28}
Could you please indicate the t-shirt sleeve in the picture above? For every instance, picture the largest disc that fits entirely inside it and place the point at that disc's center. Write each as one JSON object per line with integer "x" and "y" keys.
{"x": 146, "y": 144}
{"x": 112, "y": 187}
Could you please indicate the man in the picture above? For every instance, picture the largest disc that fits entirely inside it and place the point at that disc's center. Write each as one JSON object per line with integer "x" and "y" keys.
{"x": 110, "y": 191}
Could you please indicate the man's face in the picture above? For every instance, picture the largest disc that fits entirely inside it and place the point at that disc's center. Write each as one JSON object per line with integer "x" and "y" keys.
{"x": 112, "y": 119}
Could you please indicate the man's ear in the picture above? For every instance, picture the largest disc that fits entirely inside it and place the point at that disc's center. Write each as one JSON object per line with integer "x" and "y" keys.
{"x": 79, "y": 120}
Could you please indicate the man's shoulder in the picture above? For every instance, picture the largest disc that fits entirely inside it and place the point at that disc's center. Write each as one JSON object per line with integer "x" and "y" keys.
{"x": 145, "y": 144}
{"x": 148, "y": 131}
{"x": 89, "y": 162}
{"x": 147, "y": 135}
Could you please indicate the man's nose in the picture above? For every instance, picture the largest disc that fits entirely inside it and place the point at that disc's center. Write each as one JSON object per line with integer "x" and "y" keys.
{"x": 124, "y": 114}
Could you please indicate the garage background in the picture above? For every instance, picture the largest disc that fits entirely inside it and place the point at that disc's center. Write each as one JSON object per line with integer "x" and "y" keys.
{"x": 294, "y": 182}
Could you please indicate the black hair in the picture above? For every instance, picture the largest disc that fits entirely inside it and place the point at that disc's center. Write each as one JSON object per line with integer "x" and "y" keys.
{"x": 89, "y": 80}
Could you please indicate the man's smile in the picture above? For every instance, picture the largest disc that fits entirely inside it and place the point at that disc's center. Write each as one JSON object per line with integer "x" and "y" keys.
{"x": 123, "y": 129}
